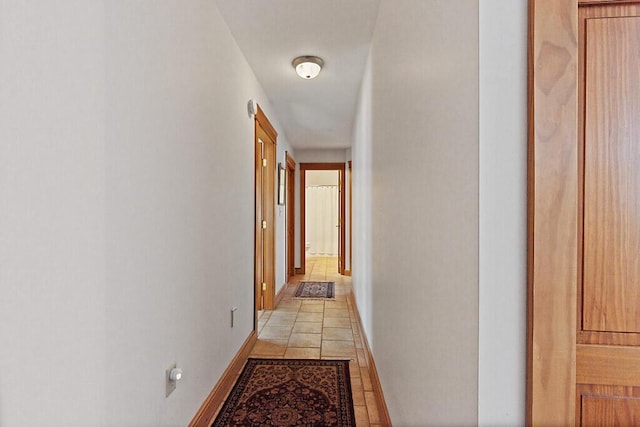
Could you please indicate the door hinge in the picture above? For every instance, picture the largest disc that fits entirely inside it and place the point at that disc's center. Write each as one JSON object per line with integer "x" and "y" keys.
{"x": 264, "y": 287}
{"x": 264, "y": 225}
{"x": 264, "y": 163}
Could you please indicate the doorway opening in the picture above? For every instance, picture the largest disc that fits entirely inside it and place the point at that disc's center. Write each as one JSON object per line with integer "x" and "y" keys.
{"x": 322, "y": 216}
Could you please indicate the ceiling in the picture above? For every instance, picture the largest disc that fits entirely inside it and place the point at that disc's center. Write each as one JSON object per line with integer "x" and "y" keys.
{"x": 317, "y": 113}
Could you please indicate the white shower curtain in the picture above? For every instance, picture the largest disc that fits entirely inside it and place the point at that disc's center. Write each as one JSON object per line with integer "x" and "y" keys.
{"x": 322, "y": 220}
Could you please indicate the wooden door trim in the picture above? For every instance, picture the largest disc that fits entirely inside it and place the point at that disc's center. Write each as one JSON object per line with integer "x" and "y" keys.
{"x": 304, "y": 167}
{"x": 552, "y": 216}
{"x": 266, "y": 125}
{"x": 291, "y": 216}
{"x": 348, "y": 272}
{"x": 268, "y": 297}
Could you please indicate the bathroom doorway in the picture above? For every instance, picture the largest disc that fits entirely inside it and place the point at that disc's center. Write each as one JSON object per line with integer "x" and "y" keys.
{"x": 322, "y": 205}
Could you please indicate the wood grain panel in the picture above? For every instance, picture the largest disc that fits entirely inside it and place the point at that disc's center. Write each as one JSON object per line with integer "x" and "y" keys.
{"x": 291, "y": 215}
{"x": 585, "y": 13}
{"x": 269, "y": 215}
{"x": 611, "y": 274}
{"x": 265, "y": 194}
{"x": 610, "y": 411}
{"x": 552, "y": 226}
{"x": 596, "y": 405}
{"x": 258, "y": 264}
{"x": 612, "y": 365}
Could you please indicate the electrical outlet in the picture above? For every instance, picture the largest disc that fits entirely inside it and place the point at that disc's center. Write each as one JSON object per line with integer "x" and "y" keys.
{"x": 170, "y": 384}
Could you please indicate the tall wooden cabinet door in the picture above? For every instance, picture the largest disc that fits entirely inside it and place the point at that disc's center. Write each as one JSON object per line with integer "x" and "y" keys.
{"x": 608, "y": 335}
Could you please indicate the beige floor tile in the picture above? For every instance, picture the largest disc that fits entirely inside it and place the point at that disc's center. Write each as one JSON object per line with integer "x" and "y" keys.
{"x": 312, "y": 308}
{"x": 289, "y": 303}
{"x": 354, "y": 368}
{"x": 282, "y": 320}
{"x": 264, "y": 314}
{"x": 313, "y": 302}
{"x": 362, "y": 360}
{"x": 337, "y": 322}
{"x": 336, "y": 312}
{"x": 366, "y": 379}
{"x": 302, "y": 353}
{"x": 337, "y": 334}
{"x": 358, "y": 392}
{"x": 337, "y": 304}
{"x": 269, "y": 348}
{"x": 372, "y": 407}
{"x": 309, "y": 317}
{"x": 307, "y": 327}
{"x": 305, "y": 340}
{"x": 362, "y": 418}
{"x": 338, "y": 349}
{"x": 276, "y": 332}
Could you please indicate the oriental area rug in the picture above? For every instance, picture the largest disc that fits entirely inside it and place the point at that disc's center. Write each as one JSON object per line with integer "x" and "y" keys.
{"x": 315, "y": 290}
{"x": 290, "y": 392}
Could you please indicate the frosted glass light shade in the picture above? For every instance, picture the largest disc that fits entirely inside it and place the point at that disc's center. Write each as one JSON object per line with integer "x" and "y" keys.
{"x": 308, "y": 67}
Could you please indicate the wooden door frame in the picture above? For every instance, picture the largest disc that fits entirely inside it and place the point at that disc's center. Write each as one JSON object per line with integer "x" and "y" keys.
{"x": 291, "y": 216}
{"x": 262, "y": 121}
{"x": 553, "y": 196}
{"x": 350, "y": 174}
{"x": 552, "y": 203}
{"x": 304, "y": 167}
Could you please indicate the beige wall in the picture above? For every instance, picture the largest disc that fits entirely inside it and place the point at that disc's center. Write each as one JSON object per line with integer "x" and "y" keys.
{"x": 422, "y": 130}
{"x": 440, "y": 210}
{"x": 503, "y": 212}
{"x": 127, "y": 209}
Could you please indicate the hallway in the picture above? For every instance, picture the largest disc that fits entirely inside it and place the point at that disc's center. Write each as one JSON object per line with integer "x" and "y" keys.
{"x": 325, "y": 329}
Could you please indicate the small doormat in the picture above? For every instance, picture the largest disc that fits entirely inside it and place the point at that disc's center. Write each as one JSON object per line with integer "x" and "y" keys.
{"x": 317, "y": 290}
{"x": 290, "y": 392}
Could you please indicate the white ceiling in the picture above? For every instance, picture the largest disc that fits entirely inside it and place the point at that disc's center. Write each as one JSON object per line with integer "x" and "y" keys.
{"x": 317, "y": 113}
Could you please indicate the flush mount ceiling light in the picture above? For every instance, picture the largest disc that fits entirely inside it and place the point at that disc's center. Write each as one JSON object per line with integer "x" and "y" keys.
{"x": 308, "y": 67}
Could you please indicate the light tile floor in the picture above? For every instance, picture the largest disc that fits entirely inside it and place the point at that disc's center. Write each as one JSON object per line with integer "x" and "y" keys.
{"x": 325, "y": 329}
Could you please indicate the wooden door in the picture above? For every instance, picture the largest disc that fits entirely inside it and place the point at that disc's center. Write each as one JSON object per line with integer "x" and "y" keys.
{"x": 341, "y": 222}
{"x": 265, "y": 193}
{"x": 584, "y": 214}
{"x": 291, "y": 216}
{"x": 608, "y": 335}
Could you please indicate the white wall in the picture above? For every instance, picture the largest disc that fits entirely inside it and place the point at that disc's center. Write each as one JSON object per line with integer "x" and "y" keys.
{"x": 127, "y": 211}
{"x": 281, "y": 211}
{"x": 503, "y": 212}
{"x": 321, "y": 156}
{"x": 501, "y": 165}
{"x": 52, "y": 214}
{"x": 422, "y": 318}
{"x": 362, "y": 229}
